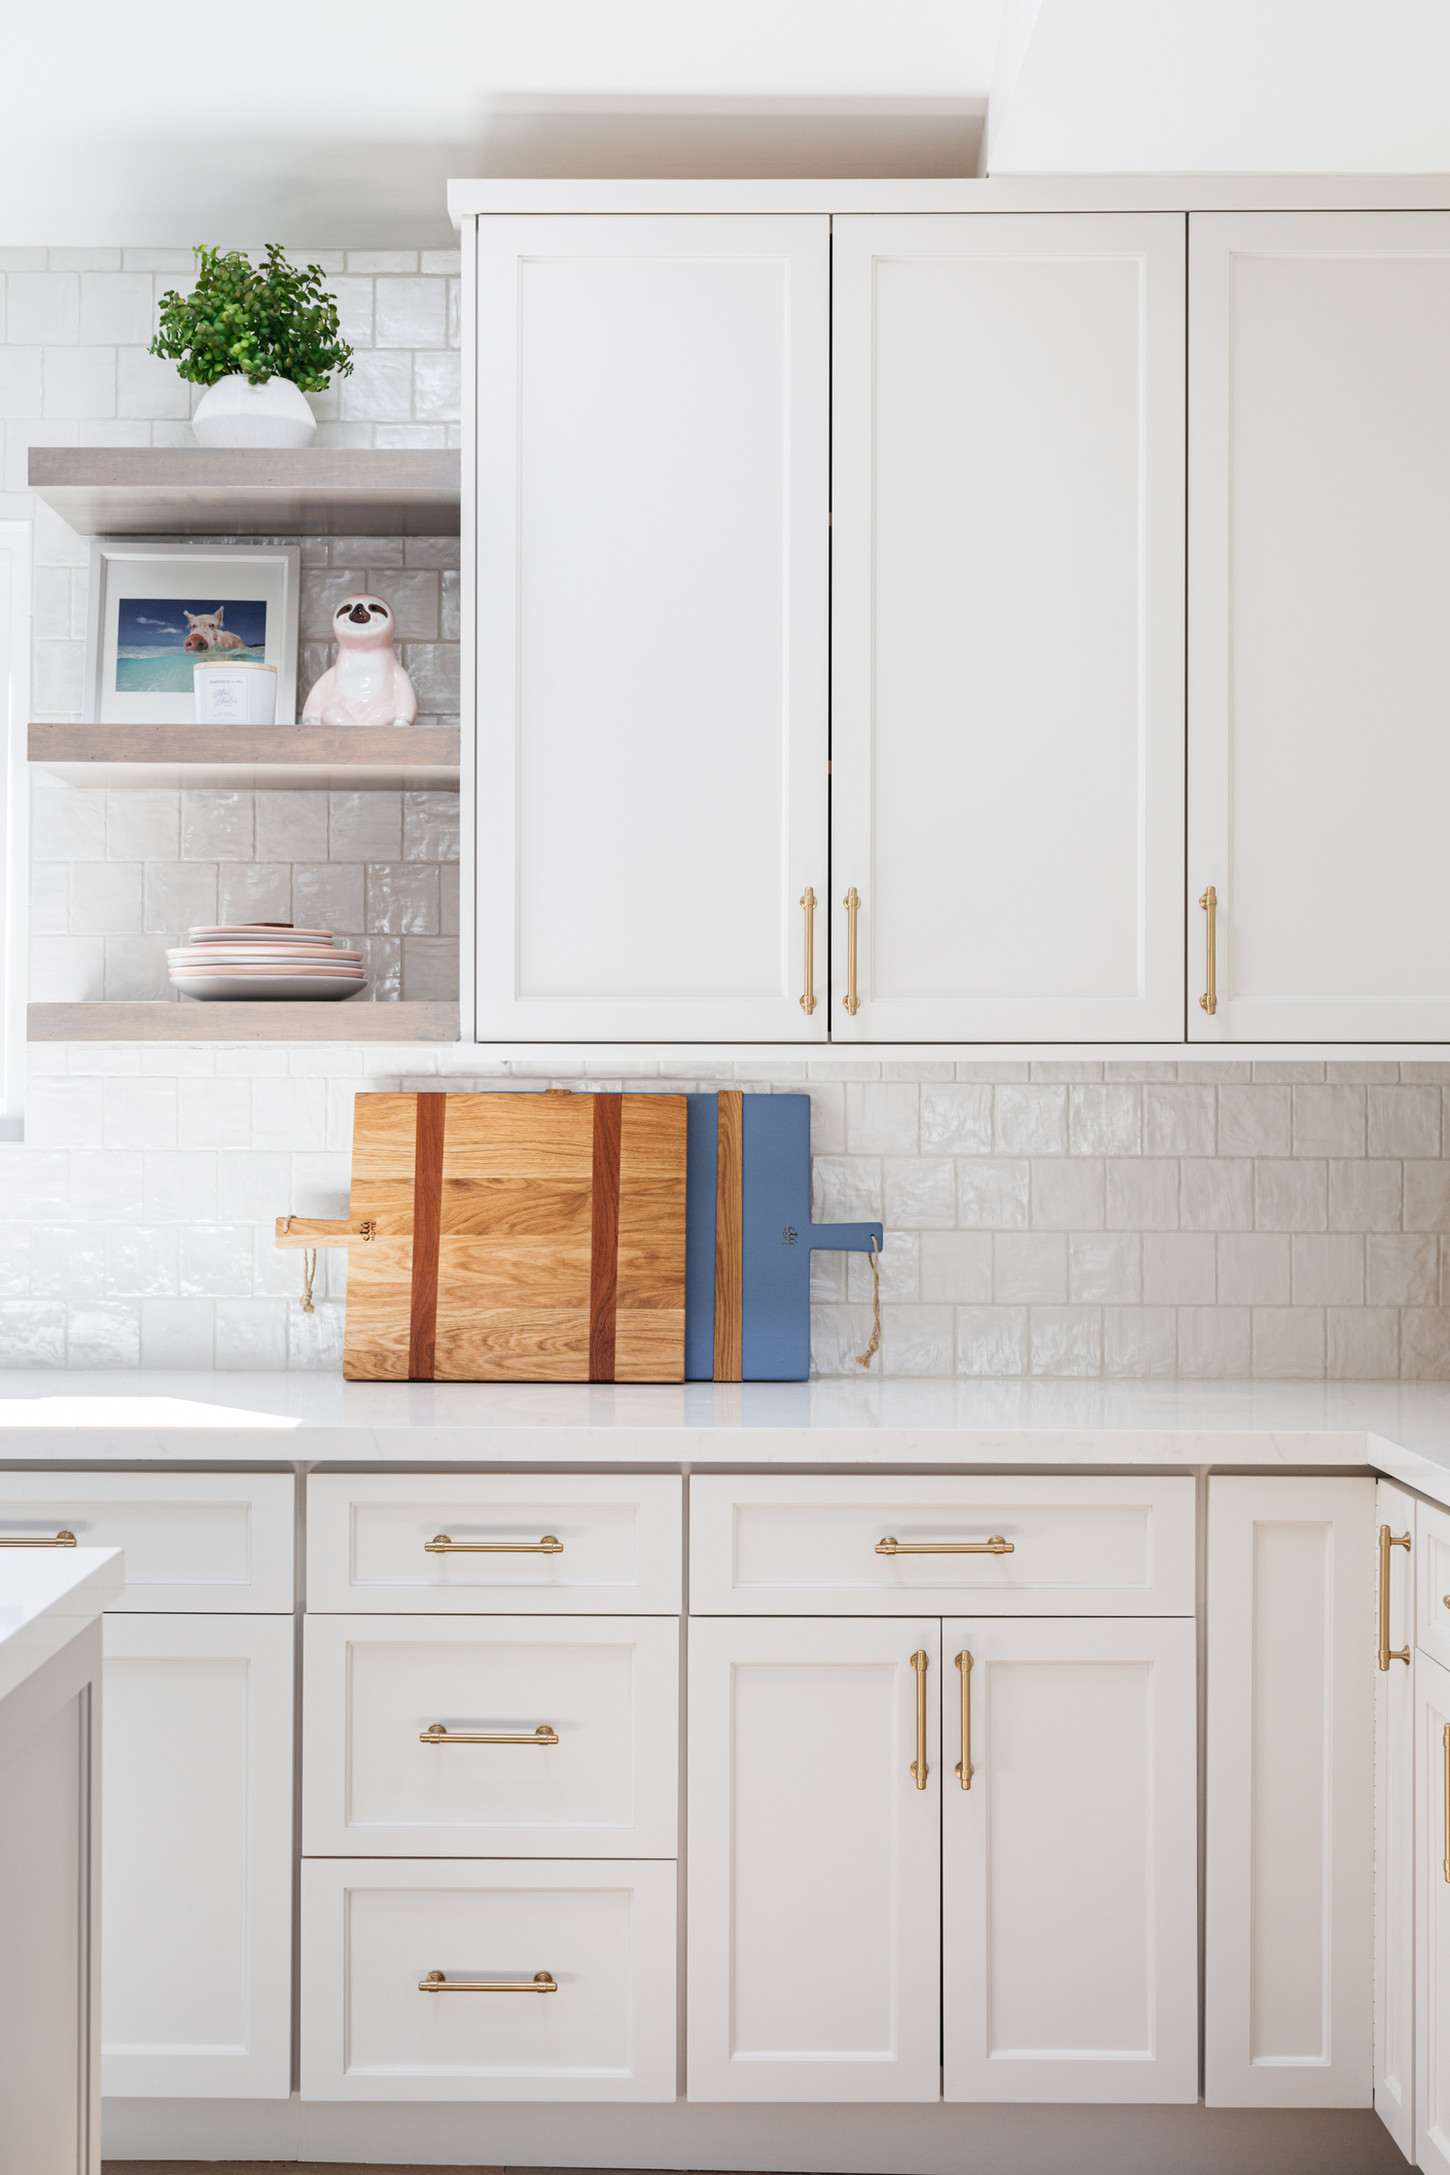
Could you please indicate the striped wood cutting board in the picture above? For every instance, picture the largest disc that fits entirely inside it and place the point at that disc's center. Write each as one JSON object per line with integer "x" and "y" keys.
{"x": 513, "y": 1238}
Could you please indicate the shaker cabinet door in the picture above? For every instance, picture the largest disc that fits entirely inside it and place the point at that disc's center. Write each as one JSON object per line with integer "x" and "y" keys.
{"x": 814, "y": 1926}
{"x": 1007, "y": 613}
{"x": 1070, "y": 1860}
{"x": 1319, "y": 650}
{"x": 196, "y": 1889}
{"x": 652, "y": 432}
{"x": 1289, "y": 1967}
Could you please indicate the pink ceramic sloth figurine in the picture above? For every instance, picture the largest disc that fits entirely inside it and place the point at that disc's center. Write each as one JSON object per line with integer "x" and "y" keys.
{"x": 367, "y": 685}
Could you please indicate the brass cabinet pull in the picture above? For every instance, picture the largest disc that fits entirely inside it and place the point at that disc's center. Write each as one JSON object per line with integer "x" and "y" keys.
{"x": 438, "y": 1733}
{"x": 542, "y": 1982}
{"x": 440, "y": 1545}
{"x": 852, "y": 904}
{"x": 965, "y": 1769}
{"x": 1388, "y": 1541}
{"x": 1209, "y": 903}
{"x": 23, "y": 1540}
{"x": 996, "y": 1546}
{"x": 808, "y": 999}
{"x": 1445, "y": 1741}
{"x": 918, "y": 1766}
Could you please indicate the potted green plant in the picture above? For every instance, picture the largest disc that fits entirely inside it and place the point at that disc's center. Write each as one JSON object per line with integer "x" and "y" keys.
{"x": 258, "y": 337}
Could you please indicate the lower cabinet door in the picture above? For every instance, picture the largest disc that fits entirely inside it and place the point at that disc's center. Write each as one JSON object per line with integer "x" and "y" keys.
{"x": 461, "y": 1979}
{"x": 515, "y": 1736}
{"x": 196, "y": 1885}
{"x": 1394, "y": 1821}
{"x": 1432, "y": 1945}
{"x": 814, "y": 1892}
{"x": 1289, "y": 1767}
{"x": 1070, "y": 1860}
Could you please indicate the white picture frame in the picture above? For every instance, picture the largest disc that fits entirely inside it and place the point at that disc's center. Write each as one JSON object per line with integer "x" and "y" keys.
{"x": 206, "y": 574}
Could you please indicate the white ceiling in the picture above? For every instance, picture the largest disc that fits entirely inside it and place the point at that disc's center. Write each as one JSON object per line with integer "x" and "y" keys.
{"x": 313, "y": 122}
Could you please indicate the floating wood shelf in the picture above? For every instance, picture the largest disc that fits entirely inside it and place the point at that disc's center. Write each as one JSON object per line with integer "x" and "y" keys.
{"x": 354, "y": 1020}
{"x": 362, "y": 758}
{"x": 199, "y": 491}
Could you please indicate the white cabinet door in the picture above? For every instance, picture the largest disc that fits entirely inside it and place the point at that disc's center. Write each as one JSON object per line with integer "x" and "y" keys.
{"x": 196, "y": 1814}
{"x": 580, "y": 1718}
{"x": 1319, "y": 649}
{"x": 1070, "y": 1860}
{"x": 559, "y": 1980}
{"x": 1289, "y": 1958}
{"x": 814, "y": 1896}
{"x": 1007, "y": 611}
{"x": 652, "y": 566}
{"x": 1432, "y": 1945}
{"x": 1394, "y": 1833}
{"x": 193, "y": 1541}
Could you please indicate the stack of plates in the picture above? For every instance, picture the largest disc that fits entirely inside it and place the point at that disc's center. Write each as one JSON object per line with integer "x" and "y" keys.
{"x": 263, "y": 959}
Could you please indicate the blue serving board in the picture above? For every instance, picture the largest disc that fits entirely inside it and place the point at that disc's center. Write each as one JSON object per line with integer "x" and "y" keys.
{"x": 777, "y": 1239}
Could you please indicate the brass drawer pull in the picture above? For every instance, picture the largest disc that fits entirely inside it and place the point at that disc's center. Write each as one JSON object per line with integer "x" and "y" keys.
{"x": 919, "y": 1767}
{"x": 440, "y": 1545}
{"x": 1209, "y": 903}
{"x": 542, "y": 1982}
{"x": 852, "y": 904}
{"x": 23, "y": 1540}
{"x": 438, "y": 1733}
{"x": 965, "y": 1770}
{"x": 996, "y": 1546}
{"x": 1388, "y": 1541}
{"x": 808, "y": 998}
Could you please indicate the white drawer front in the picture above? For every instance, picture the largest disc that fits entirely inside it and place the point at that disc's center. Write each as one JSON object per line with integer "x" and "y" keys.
{"x": 1091, "y": 1547}
{"x": 372, "y": 1933}
{"x": 1432, "y": 1581}
{"x": 194, "y": 1542}
{"x": 607, "y": 1689}
{"x": 455, "y": 1544}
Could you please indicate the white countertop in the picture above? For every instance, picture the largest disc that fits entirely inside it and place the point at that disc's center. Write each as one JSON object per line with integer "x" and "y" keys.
{"x": 45, "y": 1599}
{"x": 300, "y": 1421}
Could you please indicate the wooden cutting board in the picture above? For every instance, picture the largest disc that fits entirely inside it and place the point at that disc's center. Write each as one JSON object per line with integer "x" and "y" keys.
{"x": 513, "y": 1238}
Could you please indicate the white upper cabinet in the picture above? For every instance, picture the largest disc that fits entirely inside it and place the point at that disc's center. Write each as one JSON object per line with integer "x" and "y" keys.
{"x": 652, "y": 572}
{"x": 1007, "y": 614}
{"x": 1319, "y": 647}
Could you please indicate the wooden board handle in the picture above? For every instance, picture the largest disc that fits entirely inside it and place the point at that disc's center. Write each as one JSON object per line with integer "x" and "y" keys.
{"x": 308, "y": 1231}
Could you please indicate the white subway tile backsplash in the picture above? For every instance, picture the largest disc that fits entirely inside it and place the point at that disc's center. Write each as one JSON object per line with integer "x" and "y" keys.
{"x": 1329, "y": 1269}
{"x": 1404, "y": 1121}
{"x": 882, "y": 1118}
{"x": 1066, "y": 1341}
{"x": 1139, "y": 1341}
{"x": 956, "y": 1267}
{"x": 105, "y": 1333}
{"x": 1255, "y": 1268}
{"x": 251, "y": 1334}
{"x": 1067, "y": 1193}
{"x": 1214, "y": 1341}
{"x": 1288, "y": 1342}
{"x": 1178, "y": 1268}
{"x": 1290, "y": 1196}
{"x": 1104, "y": 1268}
{"x": 1029, "y": 1268}
{"x": 1178, "y": 1120}
{"x": 993, "y": 1194}
{"x": 1401, "y": 1269}
{"x": 1329, "y": 1121}
{"x": 1031, "y": 1120}
{"x": 992, "y": 1340}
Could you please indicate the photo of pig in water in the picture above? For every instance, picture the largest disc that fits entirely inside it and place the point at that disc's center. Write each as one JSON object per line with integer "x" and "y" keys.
{"x": 158, "y": 639}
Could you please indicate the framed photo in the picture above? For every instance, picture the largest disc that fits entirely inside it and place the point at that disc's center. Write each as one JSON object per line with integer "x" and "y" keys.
{"x": 155, "y": 608}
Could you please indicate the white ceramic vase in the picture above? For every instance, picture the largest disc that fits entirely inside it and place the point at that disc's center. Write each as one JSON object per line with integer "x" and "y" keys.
{"x": 235, "y": 413}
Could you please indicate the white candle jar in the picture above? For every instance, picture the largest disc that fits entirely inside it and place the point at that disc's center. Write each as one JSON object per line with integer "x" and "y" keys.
{"x": 234, "y": 691}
